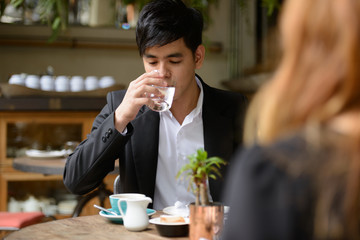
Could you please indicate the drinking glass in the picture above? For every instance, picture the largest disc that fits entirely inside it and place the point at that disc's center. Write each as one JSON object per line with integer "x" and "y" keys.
{"x": 163, "y": 102}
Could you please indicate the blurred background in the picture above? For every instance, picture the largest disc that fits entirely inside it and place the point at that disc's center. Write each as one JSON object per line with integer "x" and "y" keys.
{"x": 97, "y": 38}
{"x": 59, "y": 58}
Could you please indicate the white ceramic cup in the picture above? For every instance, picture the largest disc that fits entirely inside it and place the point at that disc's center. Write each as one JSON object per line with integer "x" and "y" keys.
{"x": 123, "y": 196}
{"x": 62, "y": 84}
{"x": 14, "y": 205}
{"x": 77, "y": 84}
{"x": 106, "y": 81}
{"x": 18, "y": 79}
{"x": 47, "y": 83}
{"x": 32, "y": 81}
{"x": 91, "y": 83}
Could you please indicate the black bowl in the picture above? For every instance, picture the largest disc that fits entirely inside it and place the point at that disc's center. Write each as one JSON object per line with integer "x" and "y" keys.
{"x": 171, "y": 229}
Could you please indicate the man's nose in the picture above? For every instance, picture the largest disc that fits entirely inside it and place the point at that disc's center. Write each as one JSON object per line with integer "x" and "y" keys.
{"x": 163, "y": 71}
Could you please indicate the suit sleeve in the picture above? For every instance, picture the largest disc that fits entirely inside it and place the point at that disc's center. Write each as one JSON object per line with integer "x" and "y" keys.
{"x": 95, "y": 157}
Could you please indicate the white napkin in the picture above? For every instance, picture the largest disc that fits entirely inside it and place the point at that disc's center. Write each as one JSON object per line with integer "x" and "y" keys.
{"x": 181, "y": 209}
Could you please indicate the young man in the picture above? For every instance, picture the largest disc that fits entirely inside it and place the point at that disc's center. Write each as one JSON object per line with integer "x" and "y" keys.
{"x": 152, "y": 146}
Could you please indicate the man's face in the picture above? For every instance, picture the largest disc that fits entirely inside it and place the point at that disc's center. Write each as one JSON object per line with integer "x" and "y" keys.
{"x": 174, "y": 60}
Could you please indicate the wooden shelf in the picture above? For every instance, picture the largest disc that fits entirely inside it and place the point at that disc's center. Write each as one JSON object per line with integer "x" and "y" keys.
{"x": 8, "y": 175}
{"x": 53, "y": 104}
{"x": 73, "y": 37}
{"x": 76, "y": 37}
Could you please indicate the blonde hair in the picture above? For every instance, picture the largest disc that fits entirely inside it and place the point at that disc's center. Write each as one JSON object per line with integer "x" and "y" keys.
{"x": 317, "y": 80}
{"x": 319, "y": 74}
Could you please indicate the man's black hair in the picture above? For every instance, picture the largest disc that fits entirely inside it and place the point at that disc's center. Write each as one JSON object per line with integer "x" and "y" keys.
{"x": 164, "y": 21}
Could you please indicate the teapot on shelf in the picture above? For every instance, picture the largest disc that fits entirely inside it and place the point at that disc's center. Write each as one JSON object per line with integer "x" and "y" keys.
{"x": 31, "y": 205}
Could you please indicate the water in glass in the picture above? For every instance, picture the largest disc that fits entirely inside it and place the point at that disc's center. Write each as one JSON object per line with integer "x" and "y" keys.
{"x": 164, "y": 103}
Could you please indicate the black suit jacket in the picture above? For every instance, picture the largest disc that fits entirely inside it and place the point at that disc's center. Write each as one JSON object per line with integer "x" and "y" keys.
{"x": 94, "y": 158}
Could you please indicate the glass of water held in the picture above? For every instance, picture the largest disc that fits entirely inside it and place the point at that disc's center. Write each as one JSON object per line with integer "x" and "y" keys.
{"x": 164, "y": 102}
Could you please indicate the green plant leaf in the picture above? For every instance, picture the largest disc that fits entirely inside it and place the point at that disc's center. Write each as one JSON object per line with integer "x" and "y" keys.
{"x": 62, "y": 12}
{"x": 212, "y": 176}
{"x": 17, "y": 3}
{"x": 54, "y": 35}
{"x": 198, "y": 169}
{"x": 56, "y": 23}
{"x": 271, "y": 5}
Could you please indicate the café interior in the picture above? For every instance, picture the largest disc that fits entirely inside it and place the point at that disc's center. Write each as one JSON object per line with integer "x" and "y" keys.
{"x": 40, "y": 124}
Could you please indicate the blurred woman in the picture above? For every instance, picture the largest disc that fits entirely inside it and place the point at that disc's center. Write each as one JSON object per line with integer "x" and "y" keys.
{"x": 300, "y": 176}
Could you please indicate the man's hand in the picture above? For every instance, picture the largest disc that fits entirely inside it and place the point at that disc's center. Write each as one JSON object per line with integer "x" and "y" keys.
{"x": 137, "y": 95}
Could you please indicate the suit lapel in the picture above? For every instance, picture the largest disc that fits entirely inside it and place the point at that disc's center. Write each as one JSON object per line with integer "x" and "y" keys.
{"x": 218, "y": 128}
{"x": 145, "y": 149}
{"x": 218, "y": 136}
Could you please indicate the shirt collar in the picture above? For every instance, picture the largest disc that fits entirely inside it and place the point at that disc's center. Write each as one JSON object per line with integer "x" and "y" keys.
{"x": 198, "y": 109}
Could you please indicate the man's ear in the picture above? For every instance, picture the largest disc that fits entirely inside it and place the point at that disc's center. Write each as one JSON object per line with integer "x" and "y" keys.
{"x": 199, "y": 56}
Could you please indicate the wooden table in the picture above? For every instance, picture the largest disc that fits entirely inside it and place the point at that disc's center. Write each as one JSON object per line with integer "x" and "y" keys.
{"x": 87, "y": 227}
{"x": 56, "y": 167}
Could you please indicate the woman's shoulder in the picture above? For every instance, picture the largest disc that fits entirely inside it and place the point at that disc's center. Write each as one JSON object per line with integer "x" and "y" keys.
{"x": 288, "y": 149}
{"x": 259, "y": 184}
{"x": 267, "y": 167}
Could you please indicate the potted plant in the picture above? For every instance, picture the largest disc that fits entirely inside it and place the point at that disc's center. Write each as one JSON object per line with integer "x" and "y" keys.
{"x": 53, "y": 12}
{"x": 205, "y": 218}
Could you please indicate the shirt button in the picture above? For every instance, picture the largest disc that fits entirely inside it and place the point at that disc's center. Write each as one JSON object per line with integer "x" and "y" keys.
{"x": 107, "y": 134}
{"x": 110, "y": 130}
{"x": 103, "y": 139}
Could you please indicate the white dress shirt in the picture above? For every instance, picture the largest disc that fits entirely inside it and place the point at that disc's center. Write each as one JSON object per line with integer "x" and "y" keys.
{"x": 176, "y": 142}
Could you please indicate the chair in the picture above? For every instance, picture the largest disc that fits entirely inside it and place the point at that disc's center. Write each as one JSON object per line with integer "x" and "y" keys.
{"x": 101, "y": 192}
{"x": 117, "y": 184}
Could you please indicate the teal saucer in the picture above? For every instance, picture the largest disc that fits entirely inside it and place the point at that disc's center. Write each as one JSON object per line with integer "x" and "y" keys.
{"x": 119, "y": 218}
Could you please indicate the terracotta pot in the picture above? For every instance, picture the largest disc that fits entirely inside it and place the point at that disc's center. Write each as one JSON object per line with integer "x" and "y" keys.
{"x": 206, "y": 222}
